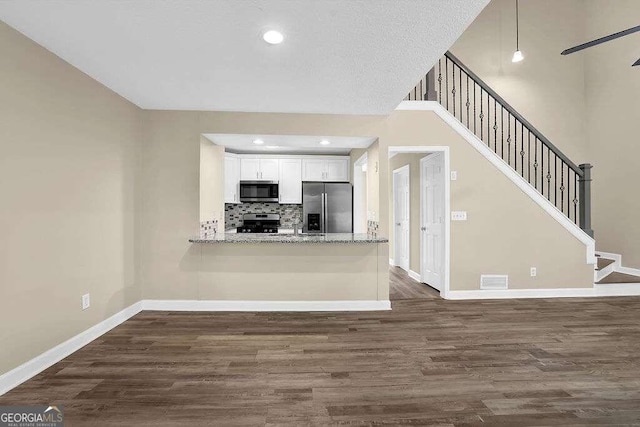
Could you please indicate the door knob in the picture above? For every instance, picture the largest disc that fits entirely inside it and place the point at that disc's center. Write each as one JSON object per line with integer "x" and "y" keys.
{"x": 398, "y": 224}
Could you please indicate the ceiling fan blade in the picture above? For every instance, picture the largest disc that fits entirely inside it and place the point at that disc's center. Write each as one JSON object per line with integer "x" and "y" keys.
{"x": 635, "y": 64}
{"x": 601, "y": 40}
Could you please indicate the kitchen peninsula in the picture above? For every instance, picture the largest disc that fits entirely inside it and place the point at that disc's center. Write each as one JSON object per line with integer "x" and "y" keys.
{"x": 333, "y": 271}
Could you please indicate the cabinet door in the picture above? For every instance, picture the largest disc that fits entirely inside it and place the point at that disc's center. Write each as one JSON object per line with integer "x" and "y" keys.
{"x": 269, "y": 169}
{"x": 290, "y": 182}
{"x": 231, "y": 179}
{"x": 249, "y": 169}
{"x": 337, "y": 170}
{"x": 313, "y": 169}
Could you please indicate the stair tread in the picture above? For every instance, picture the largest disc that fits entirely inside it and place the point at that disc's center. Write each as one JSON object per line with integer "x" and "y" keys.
{"x": 603, "y": 262}
{"x": 617, "y": 277}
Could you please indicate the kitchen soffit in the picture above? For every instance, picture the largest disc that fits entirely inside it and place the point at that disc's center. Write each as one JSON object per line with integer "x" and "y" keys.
{"x": 289, "y": 144}
{"x": 341, "y": 57}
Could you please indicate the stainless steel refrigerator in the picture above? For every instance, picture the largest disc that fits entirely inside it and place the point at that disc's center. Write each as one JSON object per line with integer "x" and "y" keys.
{"x": 327, "y": 207}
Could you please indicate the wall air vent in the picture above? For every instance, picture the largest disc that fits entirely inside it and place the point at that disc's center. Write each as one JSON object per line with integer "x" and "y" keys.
{"x": 494, "y": 282}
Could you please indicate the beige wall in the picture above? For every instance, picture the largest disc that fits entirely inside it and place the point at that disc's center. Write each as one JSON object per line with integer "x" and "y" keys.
{"x": 586, "y": 103}
{"x": 211, "y": 182}
{"x": 396, "y": 162}
{"x": 613, "y": 114}
{"x": 69, "y": 154}
{"x": 546, "y": 88}
{"x": 170, "y": 199}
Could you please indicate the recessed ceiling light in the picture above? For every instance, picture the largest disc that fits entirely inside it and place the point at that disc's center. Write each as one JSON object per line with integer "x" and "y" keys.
{"x": 273, "y": 37}
{"x": 258, "y": 141}
{"x": 271, "y": 147}
{"x": 325, "y": 142}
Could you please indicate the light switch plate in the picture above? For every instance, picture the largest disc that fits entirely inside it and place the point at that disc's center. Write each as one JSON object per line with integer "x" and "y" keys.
{"x": 454, "y": 175}
{"x": 458, "y": 216}
{"x": 86, "y": 301}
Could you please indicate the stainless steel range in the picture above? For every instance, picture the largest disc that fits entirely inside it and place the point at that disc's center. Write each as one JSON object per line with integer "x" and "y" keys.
{"x": 259, "y": 223}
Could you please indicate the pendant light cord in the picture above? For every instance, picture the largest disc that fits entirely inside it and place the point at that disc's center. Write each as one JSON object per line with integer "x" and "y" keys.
{"x": 517, "y": 28}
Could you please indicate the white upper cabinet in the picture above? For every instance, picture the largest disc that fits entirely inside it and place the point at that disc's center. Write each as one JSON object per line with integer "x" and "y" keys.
{"x": 326, "y": 169}
{"x": 269, "y": 169}
{"x": 337, "y": 170}
{"x": 259, "y": 169}
{"x": 290, "y": 183}
{"x": 313, "y": 169}
{"x": 231, "y": 179}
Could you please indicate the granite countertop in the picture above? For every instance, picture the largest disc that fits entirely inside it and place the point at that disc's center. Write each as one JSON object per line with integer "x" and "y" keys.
{"x": 290, "y": 238}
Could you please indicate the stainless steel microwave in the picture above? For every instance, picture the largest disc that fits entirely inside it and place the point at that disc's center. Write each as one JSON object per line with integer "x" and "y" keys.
{"x": 259, "y": 191}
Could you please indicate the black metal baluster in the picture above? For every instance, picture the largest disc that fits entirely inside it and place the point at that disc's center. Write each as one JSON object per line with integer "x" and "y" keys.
{"x": 522, "y": 153}
{"x": 575, "y": 197}
{"x": 509, "y": 138}
{"x": 460, "y": 74}
{"x": 474, "y": 108}
{"x": 529, "y": 155}
{"x": 535, "y": 162}
{"x": 481, "y": 115}
{"x": 502, "y": 132}
{"x": 488, "y": 121}
{"x": 555, "y": 180}
{"x": 515, "y": 143}
{"x": 446, "y": 78}
{"x": 467, "y": 101}
{"x": 453, "y": 91}
{"x": 495, "y": 125}
{"x": 548, "y": 173}
{"x": 440, "y": 81}
{"x": 562, "y": 187}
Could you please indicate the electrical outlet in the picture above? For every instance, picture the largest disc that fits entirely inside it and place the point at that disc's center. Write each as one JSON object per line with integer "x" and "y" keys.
{"x": 454, "y": 175}
{"x": 534, "y": 272}
{"x": 458, "y": 216}
{"x": 86, "y": 301}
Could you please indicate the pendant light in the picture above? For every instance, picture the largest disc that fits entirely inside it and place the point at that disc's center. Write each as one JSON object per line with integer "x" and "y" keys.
{"x": 517, "y": 55}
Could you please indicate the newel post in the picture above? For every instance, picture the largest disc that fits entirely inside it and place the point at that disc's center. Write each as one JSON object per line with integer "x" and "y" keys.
{"x": 585, "y": 198}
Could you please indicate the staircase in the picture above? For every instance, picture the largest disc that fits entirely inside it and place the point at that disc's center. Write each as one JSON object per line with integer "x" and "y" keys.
{"x": 609, "y": 270}
{"x": 498, "y": 125}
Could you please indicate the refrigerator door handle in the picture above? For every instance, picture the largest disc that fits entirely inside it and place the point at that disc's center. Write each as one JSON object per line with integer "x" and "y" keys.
{"x": 324, "y": 212}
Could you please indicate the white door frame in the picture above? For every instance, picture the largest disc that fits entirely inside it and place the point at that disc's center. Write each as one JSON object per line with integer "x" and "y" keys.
{"x": 447, "y": 203}
{"x": 359, "y": 190}
{"x": 403, "y": 170}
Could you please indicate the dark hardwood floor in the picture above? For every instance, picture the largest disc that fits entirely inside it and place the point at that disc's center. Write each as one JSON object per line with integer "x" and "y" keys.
{"x": 401, "y": 286}
{"x": 428, "y": 361}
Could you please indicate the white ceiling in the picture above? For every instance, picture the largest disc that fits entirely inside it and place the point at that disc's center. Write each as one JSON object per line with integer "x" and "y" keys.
{"x": 290, "y": 144}
{"x": 343, "y": 57}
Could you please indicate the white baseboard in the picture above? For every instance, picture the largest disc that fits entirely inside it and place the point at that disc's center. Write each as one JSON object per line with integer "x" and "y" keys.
{"x": 415, "y": 276}
{"x": 231, "y": 305}
{"x": 624, "y": 289}
{"x": 33, "y": 367}
{"x": 615, "y": 266}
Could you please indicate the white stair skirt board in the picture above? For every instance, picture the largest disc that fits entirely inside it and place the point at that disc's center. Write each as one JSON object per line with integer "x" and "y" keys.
{"x": 200, "y": 305}
{"x": 507, "y": 170}
{"x": 608, "y": 290}
{"x": 616, "y": 267}
{"x": 392, "y": 263}
{"x": 33, "y": 367}
{"x": 415, "y": 276}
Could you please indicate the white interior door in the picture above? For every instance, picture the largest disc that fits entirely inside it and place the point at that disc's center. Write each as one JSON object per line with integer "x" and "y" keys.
{"x": 432, "y": 220}
{"x": 401, "y": 203}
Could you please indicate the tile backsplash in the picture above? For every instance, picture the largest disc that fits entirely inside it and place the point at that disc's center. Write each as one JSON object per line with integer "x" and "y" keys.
{"x": 372, "y": 227}
{"x": 208, "y": 228}
{"x": 288, "y": 213}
